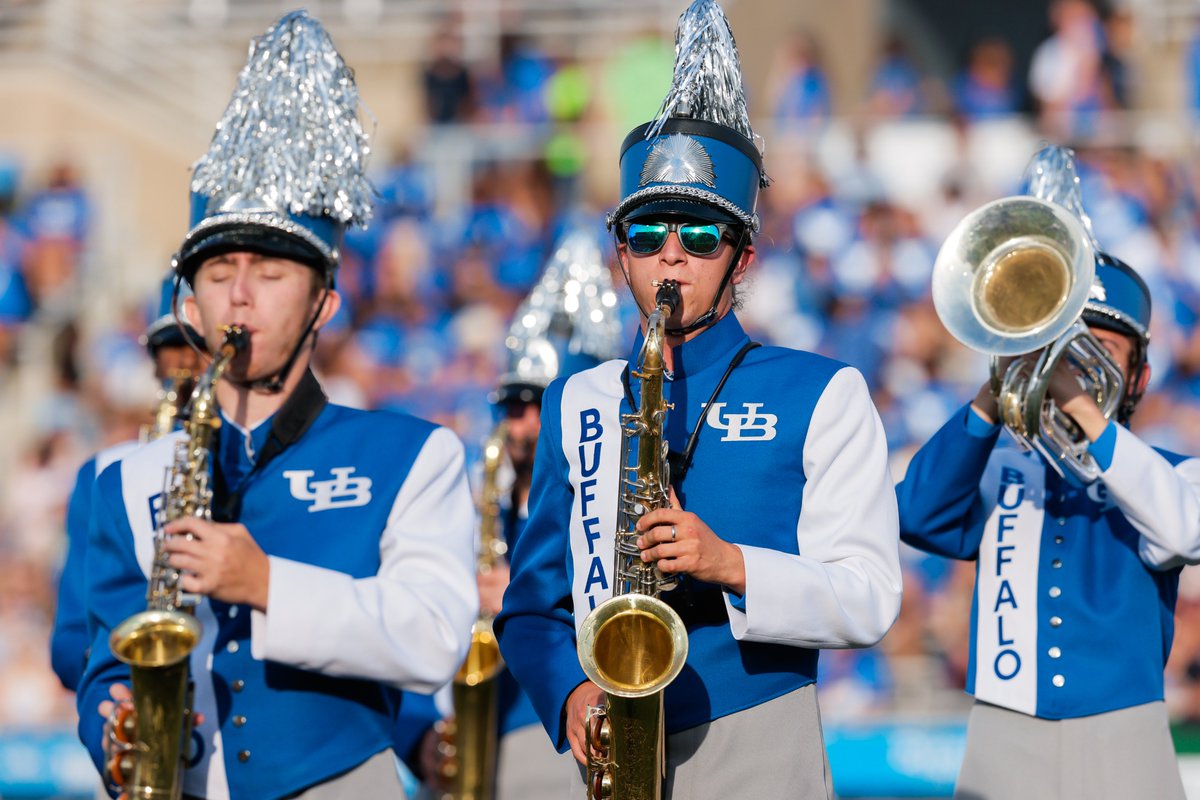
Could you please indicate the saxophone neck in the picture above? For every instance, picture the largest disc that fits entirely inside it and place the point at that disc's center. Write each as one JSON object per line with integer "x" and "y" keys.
{"x": 202, "y": 408}
{"x": 655, "y": 350}
{"x": 491, "y": 539}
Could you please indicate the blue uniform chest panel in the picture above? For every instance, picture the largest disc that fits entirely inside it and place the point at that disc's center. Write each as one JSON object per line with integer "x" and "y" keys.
{"x": 327, "y": 498}
{"x": 746, "y": 481}
{"x": 748, "y": 455}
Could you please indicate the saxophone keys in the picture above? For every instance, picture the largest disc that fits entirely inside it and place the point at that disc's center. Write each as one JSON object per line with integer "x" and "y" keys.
{"x": 599, "y": 732}
{"x": 601, "y": 785}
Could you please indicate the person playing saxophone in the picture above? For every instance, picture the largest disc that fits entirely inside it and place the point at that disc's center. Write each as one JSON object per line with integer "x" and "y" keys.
{"x": 337, "y": 567}
{"x": 171, "y": 346}
{"x": 567, "y": 323}
{"x": 781, "y": 527}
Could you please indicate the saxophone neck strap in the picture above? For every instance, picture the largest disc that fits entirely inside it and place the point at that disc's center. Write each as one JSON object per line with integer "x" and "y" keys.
{"x": 680, "y": 463}
{"x": 293, "y": 419}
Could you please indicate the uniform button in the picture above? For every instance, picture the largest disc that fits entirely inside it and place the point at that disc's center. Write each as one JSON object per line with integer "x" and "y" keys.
{"x": 1057, "y": 680}
{"x": 1055, "y": 591}
{"x": 1058, "y": 540}
{"x": 1062, "y": 520}
{"x": 233, "y": 611}
{"x": 1054, "y": 652}
{"x": 238, "y": 684}
{"x": 239, "y": 721}
{"x": 232, "y": 647}
{"x": 1055, "y": 622}
{"x": 1056, "y": 563}
{"x": 244, "y": 756}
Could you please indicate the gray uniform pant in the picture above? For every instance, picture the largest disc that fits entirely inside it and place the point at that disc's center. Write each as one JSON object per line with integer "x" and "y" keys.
{"x": 376, "y": 777}
{"x": 773, "y": 750}
{"x": 529, "y": 768}
{"x": 1121, "y": 755}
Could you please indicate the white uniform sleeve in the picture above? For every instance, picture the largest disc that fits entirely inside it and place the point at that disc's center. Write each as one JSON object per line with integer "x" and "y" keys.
{"x": 843, "y": 589}
{"x": 1160, "y": 500}
{"x": 409, "y": 625}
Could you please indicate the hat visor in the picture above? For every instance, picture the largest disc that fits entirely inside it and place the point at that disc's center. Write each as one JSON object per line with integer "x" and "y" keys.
{"x": 1109, "y": 319}
{"x": 245, "y": 237}
{"x": 679, "y": 207}
{"x": 510, "y": 393}
{"x": 171, "y": 336}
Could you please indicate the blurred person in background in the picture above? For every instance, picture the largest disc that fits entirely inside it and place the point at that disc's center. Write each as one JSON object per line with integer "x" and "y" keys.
{"x": 799, "y": 89}
{"x": 172, "y": 346}
{"x": 897, "y": 86}
{"x": 56, "y": 220}
{"x": 298, "y": 624}
{"x": 746, "y": 692}
{"x": 16, "y": 306}
{"x": 1065, "y": 568}
{"x": 567, "y": 324}
{"x": 1065, "y": 74}
{"x": 448, "y": 85}
{"x": 987, "y": 87}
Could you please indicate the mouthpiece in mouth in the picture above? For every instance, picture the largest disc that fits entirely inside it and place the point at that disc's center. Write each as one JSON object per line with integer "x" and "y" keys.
{"x": 668, "y": 295}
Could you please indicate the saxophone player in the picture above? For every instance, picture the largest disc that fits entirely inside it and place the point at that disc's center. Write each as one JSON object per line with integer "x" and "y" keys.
{"x": 169, "y": 343}
{"x": 337, "y": 567}
{"x": 551, "y": 336}
{"x": 782, "y": 528}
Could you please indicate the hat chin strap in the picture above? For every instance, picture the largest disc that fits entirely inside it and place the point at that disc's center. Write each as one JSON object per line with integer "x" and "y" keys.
{"x": 708, "y": 317}
{"x": 274, "y": 384}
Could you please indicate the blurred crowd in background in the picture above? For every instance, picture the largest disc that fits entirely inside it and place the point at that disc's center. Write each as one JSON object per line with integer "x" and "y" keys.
{"x": 844, "y": 266}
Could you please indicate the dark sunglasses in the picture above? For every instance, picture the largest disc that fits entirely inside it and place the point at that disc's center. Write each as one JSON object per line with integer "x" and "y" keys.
{"x": 697, "y": 238}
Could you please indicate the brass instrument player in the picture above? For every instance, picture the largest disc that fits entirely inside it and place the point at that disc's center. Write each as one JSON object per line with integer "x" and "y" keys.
{"x": 337, "y": 568}
{"x": 782, "y": 526}
{"x": 170, "y": 345}
{"x": 1077, "y": 573}
{"x": 550, "y": 336}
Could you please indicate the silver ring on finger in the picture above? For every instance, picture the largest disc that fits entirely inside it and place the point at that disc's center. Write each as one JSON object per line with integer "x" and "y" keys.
{"x": 673, "y": 533}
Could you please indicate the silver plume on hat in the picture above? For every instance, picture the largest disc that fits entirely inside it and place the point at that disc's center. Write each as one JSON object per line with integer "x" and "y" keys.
{"x": 706, "y": 83}
{"x": 1053, "y": 176}
{"x": 571, "y": 311}
{"x": 290, "y": 138}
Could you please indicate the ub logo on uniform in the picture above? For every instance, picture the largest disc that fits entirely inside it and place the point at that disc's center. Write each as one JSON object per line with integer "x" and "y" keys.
{"x": 750, "y": 426}
{"x": 341, "y": 491}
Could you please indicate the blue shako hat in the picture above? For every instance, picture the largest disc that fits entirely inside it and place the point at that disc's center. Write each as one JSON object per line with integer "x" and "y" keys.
{"x": 1119, "y": 300}
{"x": 568, "y": 323}
{"x": 699, "y": 157}
{"x": 284, "y": 174}
{"x": 167, "y": 329}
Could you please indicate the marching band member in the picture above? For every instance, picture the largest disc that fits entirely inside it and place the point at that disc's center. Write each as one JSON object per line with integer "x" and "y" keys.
{"x": 1075, "y": 582}
{"x": 170, "y": 346}
{"x": 783, "y": 526}
{"x": 567, "y": 324}
{"x": 338, "y": 565}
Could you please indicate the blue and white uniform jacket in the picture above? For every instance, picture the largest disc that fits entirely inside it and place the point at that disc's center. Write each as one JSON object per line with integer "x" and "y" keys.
{"x": 791, "y": 466}
{"x": 69, "y": 640}
{"x": 1075, "y": 586}
{"x": 369, "y": 527}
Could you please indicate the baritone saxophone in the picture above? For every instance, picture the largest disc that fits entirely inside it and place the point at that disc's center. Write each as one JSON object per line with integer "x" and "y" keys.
{"x": 634, "y": 644}
{"x": 147, "y": 744}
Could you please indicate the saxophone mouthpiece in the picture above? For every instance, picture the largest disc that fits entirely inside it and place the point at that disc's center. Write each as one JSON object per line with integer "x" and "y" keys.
{"x": 668, "y": 295}
{"x": 236, "y": 337}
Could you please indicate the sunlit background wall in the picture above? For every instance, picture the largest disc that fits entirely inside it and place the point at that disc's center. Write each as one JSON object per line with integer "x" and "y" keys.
{"x": 496, "y": 126}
